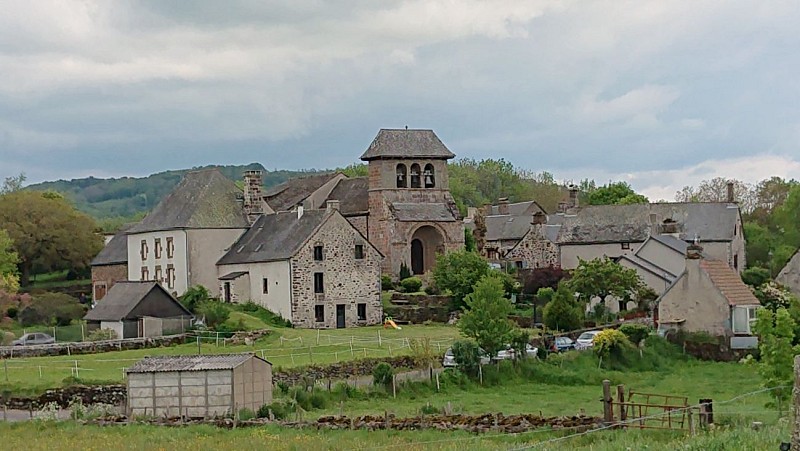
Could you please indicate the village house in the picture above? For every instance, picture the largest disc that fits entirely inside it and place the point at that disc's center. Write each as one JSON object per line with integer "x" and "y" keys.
{"x": 139, "y": 309}
{"x": 790, "y": 274}
{"x": 110, "y": 265}
{"x": 179, "y": 242}
{"x": 709, "y": 296}
{"x": 313, "y": 268}
{"x": 658, "y": 261}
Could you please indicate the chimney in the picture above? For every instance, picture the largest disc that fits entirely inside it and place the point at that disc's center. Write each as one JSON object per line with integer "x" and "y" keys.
{"x": 562, "y": 207}
{"x": 252, "y": 195}
{"x": 332, "y": 205}
{"x": 502, "y": 208}
{"x": 573, "y": 196}
{"x": 731, "y": 197}
{"x": 539, "y": 218}
{"x": 694, "y": 251}
{"x": 299, "y": 211}
{"x": 471, "y": 212}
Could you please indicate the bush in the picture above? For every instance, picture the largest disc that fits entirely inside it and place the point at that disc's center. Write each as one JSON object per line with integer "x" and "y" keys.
{"x": 563, "y": 312}
{"x": 194, "y": 296}
{"x": 405, "y": 273}
{"x": 246, "y": 414}
{"x": 215, "y": 312}
{"x": 610, "y": 341}
{"x": 432, "y": 290}
{"x": 635, "y": 332}
{"x": 386, "y": 282}
{"x": 411, "y": 284}
{"x": 382, "y": 374}
{"x": 755, "y": 277}
{"x": 428, "y": 409}
{"x": 12, "y": 312}
{"x": 102, "y": 335}
{"x": 457, "y": 272}
{"x": 51, "y": 309}
{"x": 467, "y": 356}
{"x": 283, "y": 387}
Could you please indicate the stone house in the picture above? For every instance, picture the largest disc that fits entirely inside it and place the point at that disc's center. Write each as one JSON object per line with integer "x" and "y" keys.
{"x": 498, "y": 228}
{"x": 139, "y": 309}
{"x": 313, "y": 268}
{"x": 616, "y": 230}
{"x": 178, "y": 243}
{"x": 110, "y": 265}
{"x": 709, "y": 296}
{"x": 537, "y": 248}
{"x": 790, "y": 274}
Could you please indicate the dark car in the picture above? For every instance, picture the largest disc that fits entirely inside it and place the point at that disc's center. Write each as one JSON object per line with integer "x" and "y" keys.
{"x": 561, "y": 344}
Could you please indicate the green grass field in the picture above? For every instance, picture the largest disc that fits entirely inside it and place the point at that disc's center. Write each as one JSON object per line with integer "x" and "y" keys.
{"x": 284, "y": 348}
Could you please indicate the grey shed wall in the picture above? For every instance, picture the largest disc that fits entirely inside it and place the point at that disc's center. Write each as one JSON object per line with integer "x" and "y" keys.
{"x": 205, "y": 393}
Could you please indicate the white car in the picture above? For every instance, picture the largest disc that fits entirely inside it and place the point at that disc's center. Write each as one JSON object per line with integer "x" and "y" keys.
{"x": 449, "y": 360}
{"x": 586, "y": 340}
{"x": 508, "y": 352}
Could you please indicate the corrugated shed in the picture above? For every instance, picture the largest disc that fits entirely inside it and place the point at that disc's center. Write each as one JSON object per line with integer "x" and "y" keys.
{"x": 162, "y": 364}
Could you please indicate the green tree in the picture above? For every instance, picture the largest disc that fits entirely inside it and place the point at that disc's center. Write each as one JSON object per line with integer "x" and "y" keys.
{"x": 485, "y": 317}
{"x": 467, "y": 356}
{"x": 457, "y": 272}
{"x": 194, "y": 296}
{"x": 9, "y": 282}
{"x": 48, "y": 233}
{"x": 615, "y": 193}
{"x": 563, "y": 312}
{"x": 775, "y": 331}
{"x": 602, "y": 277}
{"x": 469, "y": 241}
{"x": 214, "y": 312}
{"x": 13, "y": 183}
{"x": 787, "y": 216}
{"x": 755, "y": 277}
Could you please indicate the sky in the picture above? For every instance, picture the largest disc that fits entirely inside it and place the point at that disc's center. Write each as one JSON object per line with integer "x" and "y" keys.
{"x": 659, "y": 94}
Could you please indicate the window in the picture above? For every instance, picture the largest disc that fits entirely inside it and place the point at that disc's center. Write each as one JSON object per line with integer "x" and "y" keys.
{"x": 362, "y": 312}
{"x": 518, "y": 264}
{"x": 402, "y": 180}
{"x": 744, "y": 316}
{"x": 143, "y": 250}
{"x": 157, "y": 248}
{"x": 319, "y": 283}
{"x": 265, "y": 286}
{"x": 626, "y": 246}
{"x": 318, "y": 253}
{"x": 170, "y": 247}
{"x": 736, "y": 261}
{"x": 359, "y": 251}
{"x": 415, "y": 176}
{"x": 170, "y": 276}
{"x": 428, "y": 176}
{"x": 145, "y": 274}
{"x": 158, "y": 273}
{"x": 319, "y": 313}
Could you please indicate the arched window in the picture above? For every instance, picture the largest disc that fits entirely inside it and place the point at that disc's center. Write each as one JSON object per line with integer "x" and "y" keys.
{"x": 401, "y": 176}
{"x": 415, "y": 176}
{"x": 428, "y": 176}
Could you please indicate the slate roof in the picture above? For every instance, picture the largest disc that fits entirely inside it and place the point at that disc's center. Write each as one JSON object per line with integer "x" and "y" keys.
{"x": 203, "y": 199}
{"x": 274, "y": 237}
{"x": 729, "y": 283}
{"x": 708, "y": 221}
{"x": 671, "y": 242}
{"x": 233, "y": 275}
{"x": 651, "y": 267}
{"x": 170, "y": 363}
{"x": 422, "y": 212}
{"x": 518, "y": 208}
{"x": 122, "y": 298}
{"x": 115, "y": 251}
{"x": 404, "y": 143}
{"x": 292, "y": 192}
{"x": 352, "y": 194}
{"x": 507, "y": 227}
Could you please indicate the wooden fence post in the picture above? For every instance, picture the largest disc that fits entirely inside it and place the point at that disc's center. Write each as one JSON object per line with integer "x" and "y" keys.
{"x": 623, "y": 414}
{"x": 608, "y": 403}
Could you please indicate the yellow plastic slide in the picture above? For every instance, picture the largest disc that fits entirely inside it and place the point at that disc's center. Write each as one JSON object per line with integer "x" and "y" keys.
{"x": 390, "y": 322}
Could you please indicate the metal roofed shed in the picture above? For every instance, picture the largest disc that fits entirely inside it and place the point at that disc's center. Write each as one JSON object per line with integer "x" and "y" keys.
{"x": 198, "y": 386}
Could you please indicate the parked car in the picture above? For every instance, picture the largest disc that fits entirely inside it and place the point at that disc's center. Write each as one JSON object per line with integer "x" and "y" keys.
{"x": 561, "y": 344}
{"x": 508, "y": 352}
{"x": 33, "y": 338}
{"x": 586, "y": 339}
{"x": 449, "y": 360}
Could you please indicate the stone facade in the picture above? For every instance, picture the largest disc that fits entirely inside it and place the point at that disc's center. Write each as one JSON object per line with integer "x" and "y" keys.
{"x": 361, "y": 223}
{"x": 104, "y": 277}
{"x": 535, "y": 250}
{"x": 790, "y": 274}
{"x": 347, "y": 281}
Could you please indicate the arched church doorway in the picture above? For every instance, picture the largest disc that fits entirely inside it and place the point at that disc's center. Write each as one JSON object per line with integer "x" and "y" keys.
{"x": 426, "y": 242}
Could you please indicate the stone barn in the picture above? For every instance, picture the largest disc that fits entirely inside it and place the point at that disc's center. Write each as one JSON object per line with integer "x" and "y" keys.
{"x": 198, "y": 386}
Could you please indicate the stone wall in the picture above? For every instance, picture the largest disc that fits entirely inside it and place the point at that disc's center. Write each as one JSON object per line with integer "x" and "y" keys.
{"x": 100, "y": 394}
{"x": 90, "y": 347}
{"x": 347, "y": 281}
{"x": 417, "y": 309}
{"x": 106, "y": 276}
{"x": 535, "y": 250}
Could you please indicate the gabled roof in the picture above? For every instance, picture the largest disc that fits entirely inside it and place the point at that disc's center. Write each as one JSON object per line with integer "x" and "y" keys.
{"x": 169, "y": 363}
{"x": 507, "y": 227}
{"x": 123, "y": 298}
{"x": 294, "y": 191}
{"x": 650, "y": 267}
{"x": 202, "y": 200}
{"x": 729, "y": 283}
{"x": 115, "y": 251}
{"x": 706, "y": 221}
{"x": 528, "y": 208}
{"x": 274, "y": 237}
{"x": 670, "y": 241}
{"x": 352, "y": 194}
{"x": 405, "y": 143}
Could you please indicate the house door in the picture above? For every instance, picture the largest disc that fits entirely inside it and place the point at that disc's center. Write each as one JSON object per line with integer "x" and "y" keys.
{"x": 417, "y": 257}
{"x": 340, "y": 317}
{"x": 227, "y": 293}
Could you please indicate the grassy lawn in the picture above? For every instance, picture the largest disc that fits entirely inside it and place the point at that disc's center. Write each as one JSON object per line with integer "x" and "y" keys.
{"x": 284, "y": 348}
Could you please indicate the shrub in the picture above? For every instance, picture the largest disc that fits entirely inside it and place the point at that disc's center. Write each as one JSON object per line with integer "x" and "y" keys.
{"x": 635, "y": 332}
{"x": 405, "y": 273}
{"x": 563, "y": 312}
{"x": 386, "y": 282}
{"x": 428, "y": 409}
{"x": 246, "y": 414}
{"x": 609, "y": 341}
{"x": 467, "y": 356}
{"x": 268, "y": 316}
{"x": 755, "y": 277}
{"x": 215, "y": 312}
{"x": 411, "y": 284}
{"x": 52, "y": 309}
{"x": 382, "y": 374}
{"x": 12, "y": 312}
{"x": 101, "y": 335}
{"x": 194, "y": 296}
{"x": 280, "y": 410}
{"x": 283, "y": 387}
{"x": 457, "y": 272}
{"x": 432, "y": 290}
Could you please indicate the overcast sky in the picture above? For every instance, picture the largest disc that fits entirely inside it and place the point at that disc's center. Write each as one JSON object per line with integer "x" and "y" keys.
{"x": 661, "y": 94}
